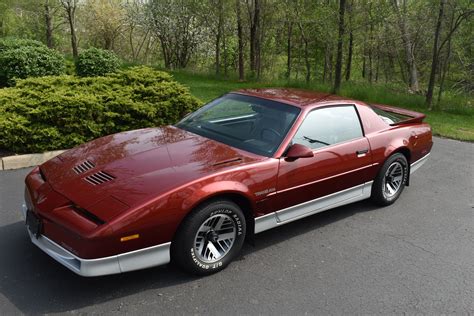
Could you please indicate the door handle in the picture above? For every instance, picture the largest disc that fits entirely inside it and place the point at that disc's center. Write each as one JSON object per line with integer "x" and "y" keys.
{"x": 362, "y": 153}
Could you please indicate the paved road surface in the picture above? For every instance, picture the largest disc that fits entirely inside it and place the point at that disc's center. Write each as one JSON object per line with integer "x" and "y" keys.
{"x": 416, "y": 256}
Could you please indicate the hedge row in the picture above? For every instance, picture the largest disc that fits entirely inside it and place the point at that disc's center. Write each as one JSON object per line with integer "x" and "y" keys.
{"x": 47, "y": 113}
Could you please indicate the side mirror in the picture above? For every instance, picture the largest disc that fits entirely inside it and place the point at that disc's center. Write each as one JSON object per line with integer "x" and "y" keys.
{"x": 299, "y": 151}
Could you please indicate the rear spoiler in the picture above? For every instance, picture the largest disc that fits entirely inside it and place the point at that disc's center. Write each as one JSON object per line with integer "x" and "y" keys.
{"x": 411, "y": 116}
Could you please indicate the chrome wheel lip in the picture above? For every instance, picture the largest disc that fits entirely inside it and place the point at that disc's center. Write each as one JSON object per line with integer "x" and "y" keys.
{"x": 215, "y": 238}
{"x": 393, "y": 179}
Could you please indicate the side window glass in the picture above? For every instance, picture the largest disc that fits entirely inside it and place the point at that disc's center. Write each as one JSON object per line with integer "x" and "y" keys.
{"x": 328, "y": 126}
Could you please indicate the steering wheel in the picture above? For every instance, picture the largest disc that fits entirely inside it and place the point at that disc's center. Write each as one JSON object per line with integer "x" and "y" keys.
{"x": 271, "y": 130}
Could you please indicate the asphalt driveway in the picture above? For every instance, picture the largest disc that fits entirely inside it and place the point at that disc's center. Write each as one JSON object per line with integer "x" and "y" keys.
{"x": 416, "y": 256}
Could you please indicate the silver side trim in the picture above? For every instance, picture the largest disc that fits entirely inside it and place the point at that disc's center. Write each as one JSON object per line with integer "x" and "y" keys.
{"x": 420, "y": 162}
{"x": 129, "y": 261}
{"x": 293, "y": 213}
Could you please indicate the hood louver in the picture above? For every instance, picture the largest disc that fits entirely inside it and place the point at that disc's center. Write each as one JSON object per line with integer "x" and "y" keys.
{"x": 83, "y": 167}
{"x": 99, "y": 178}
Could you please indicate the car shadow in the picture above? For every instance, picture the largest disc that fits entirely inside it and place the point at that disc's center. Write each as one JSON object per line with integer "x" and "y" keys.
{"x": 35, "y": 284}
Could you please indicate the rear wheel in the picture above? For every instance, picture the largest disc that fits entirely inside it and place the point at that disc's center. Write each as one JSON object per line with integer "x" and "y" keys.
{"x": 209, "y": 238}
{"x": 390, "y": 180}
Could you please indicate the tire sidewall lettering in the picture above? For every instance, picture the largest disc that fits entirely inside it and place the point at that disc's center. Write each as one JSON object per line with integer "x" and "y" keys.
{"x": 237, "y": 220}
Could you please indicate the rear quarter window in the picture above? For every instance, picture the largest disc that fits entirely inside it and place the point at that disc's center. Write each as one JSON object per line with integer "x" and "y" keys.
{"x": 389, "y": 117}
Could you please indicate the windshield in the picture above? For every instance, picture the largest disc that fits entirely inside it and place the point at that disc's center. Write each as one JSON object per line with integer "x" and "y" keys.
{"x": 249, "y": 123}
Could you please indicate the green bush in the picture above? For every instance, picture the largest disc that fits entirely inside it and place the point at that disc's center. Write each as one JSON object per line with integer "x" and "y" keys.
{"x": 29, "y": 61}
{"x": 12, "y": 43}
{"x": 95, "y": 62}
{"x": 55, "y": 112}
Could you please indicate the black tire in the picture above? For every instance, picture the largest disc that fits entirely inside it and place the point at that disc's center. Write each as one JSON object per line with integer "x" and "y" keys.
{"x": 192, "y": 232}
{"x": 380, "y": 192}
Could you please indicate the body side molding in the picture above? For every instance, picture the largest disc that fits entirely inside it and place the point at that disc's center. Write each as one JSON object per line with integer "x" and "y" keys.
{"x": 292, "y": 213}
{"x": 420, "y": 162}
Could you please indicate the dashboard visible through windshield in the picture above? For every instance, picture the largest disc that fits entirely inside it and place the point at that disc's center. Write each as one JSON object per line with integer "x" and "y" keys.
{"x": 249, "y": 123}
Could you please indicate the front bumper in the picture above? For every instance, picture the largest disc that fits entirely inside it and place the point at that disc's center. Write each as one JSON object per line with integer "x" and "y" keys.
{"x": 129, "y": 261}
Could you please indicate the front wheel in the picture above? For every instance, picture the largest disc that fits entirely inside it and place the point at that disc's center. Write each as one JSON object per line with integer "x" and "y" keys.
{"x": 209, "y": 238}
{"x": 390, "y": 180}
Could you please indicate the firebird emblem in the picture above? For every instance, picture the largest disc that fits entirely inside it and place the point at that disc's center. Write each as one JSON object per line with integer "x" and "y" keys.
{"x": 267, "y": 191}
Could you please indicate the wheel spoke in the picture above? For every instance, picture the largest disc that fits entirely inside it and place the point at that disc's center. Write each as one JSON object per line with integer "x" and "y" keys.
{"x": 397, "y": 178}
{"x": 390, "y": 189}
{"x": 214, "y": 238}
{"x": 215, "y": 253}
{"x": 226, "y": 236}
{"x": 218, "y": 224}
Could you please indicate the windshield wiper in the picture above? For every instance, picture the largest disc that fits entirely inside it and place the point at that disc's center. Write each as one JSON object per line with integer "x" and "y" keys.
{"x": 311, "y": 140}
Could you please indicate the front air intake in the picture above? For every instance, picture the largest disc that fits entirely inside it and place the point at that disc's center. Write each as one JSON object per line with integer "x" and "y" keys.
{"x": 99, "y": 178}
{"x": 83, "y": 167}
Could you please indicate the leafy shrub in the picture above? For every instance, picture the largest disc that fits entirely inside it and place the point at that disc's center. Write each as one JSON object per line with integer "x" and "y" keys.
{"x": 96, "y": 62}
{"x": 12, "y": 43}
{"x": 56, "y": 112}
{"x": 29, "y": 61}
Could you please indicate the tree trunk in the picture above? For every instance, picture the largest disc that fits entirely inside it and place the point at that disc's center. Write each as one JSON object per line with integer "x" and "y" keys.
{"x": 409, "y": 56}
{"x": 328, "y": 58}
{"x": 435, "y": 60}
{"x": 75, "y": 52}
{"x": 70, "y": 7}
{"x": 48, "y": 18}
{"x": 307, "y": 62}
{"x": 224, "y": 46}
{"x": 351, "y": 43}
{"x": 288, "y": 50}
{"x": 377, "y": 65}
{"x": 337, "y": 80}
{"x": 364, "y": 65}
{"x": 241, "y": 41}
{"x": 444, "y": 71}
{"x": 254, "y": 35}
{"x": 349, "y": 56}
{"x": 218, "y": 52}
{"x": 219, "y": 35}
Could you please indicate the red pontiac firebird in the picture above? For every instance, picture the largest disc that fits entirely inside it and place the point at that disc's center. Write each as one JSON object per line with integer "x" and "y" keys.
{"x": 192, "y": 193}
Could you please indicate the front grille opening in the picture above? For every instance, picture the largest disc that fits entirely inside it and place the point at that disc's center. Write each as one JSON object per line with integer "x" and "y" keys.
{"x": 85, "y": 213}
{"x": 83, "y": 167}
{"x": 99, "y": 178}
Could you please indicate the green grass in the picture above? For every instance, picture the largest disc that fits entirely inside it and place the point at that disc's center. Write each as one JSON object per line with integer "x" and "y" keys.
{"x": 456, "y": 120}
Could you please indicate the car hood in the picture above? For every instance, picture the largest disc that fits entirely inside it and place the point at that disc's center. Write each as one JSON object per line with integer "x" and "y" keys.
{"x": 123, "y": 170}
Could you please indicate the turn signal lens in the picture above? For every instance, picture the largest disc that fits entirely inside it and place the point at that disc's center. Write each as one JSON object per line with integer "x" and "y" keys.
{"x": 127, "y": 238}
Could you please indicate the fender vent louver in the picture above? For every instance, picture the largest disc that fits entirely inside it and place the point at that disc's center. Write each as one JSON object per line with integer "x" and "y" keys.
{"x": 99, "y": 178}
{"x": 83, "y": 167}
{"x": 88, "y": 215}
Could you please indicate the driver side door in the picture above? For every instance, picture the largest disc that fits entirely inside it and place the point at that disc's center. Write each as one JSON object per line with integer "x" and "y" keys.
{"x": 338, "y": 171}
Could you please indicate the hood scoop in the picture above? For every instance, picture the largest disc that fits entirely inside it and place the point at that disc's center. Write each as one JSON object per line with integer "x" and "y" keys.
{"x": 83, "y": 167}
{"x": 99, "y": 178}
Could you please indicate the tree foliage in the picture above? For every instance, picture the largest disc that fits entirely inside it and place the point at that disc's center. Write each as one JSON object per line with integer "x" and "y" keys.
{"x": 390, "y": 42}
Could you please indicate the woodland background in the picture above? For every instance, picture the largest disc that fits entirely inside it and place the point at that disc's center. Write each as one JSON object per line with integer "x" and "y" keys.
{"x": 412, "y": 53}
